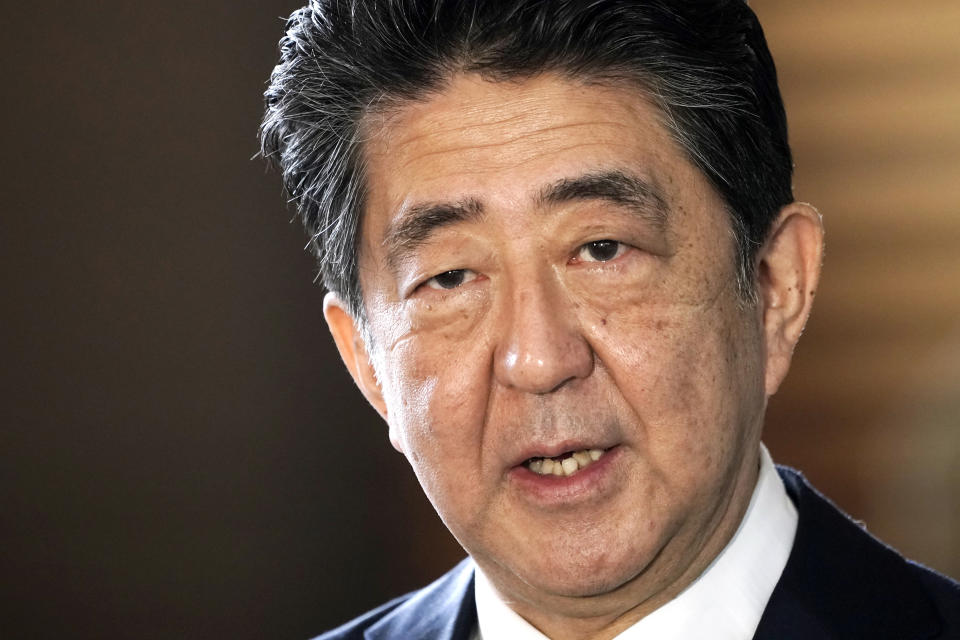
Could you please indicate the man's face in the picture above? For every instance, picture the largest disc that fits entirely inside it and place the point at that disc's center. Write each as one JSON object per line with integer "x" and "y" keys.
{"x": 544, "y": 272}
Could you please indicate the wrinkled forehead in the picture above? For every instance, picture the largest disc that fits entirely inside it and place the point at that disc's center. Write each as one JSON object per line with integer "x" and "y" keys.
{"x": 514, "y": 104}
{"x": 480, "y": 136}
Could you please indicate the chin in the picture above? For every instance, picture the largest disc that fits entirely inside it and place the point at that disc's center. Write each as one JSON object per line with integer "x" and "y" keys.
{"x": 587, "y": 586}
{"x": 584, "y": 575}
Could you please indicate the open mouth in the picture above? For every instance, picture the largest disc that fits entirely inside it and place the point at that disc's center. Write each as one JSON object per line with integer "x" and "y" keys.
{"x": 566, "y": 464}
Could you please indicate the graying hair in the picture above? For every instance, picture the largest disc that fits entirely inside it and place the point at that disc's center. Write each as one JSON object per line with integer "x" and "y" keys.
{"x": 704, "y": 64}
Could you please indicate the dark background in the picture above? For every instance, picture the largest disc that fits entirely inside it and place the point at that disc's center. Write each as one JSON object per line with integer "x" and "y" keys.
{"x": 182, "y": 454}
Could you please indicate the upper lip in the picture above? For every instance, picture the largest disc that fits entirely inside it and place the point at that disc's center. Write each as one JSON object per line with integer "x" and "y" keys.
{"x": 555, "y": 449}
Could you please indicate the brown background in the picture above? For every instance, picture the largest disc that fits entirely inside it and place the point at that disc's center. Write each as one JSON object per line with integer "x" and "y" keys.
{"x": 181, "y": 455}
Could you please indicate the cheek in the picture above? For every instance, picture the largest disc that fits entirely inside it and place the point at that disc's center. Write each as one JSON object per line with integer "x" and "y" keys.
{"x": 434, "y": 380}
{"x": 436, "y": 411}
{"x": 688, "y": 375}
{"x": 435, "y": 401}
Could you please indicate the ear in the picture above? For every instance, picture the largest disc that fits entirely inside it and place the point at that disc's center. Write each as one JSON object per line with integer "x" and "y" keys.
{"x": 788, "y": 271}
{"x": 353, "y": 350}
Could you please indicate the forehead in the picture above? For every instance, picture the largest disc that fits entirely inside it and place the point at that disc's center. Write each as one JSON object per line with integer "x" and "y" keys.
{"x": 501, "y": 143}
{"x": 504, "y": 124}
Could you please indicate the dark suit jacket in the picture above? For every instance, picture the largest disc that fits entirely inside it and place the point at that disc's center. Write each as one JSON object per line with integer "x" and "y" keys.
{"x": 839, "y": 583}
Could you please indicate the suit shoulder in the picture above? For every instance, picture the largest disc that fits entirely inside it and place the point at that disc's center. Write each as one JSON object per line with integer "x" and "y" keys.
{"x": 944, "y": 592}
{"x": 841, "y": 582}
{"x": 354, "y": 629}
{"x": 442, "y": 609}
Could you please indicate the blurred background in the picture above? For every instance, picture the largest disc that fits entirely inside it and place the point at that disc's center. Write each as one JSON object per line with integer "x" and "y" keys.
{"x": 181, "y": 453}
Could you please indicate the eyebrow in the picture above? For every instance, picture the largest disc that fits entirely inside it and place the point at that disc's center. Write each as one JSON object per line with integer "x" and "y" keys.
{"x": 416, "y": 224}
{"x": 640, "y": 195}
{"x": 413, "y": 226}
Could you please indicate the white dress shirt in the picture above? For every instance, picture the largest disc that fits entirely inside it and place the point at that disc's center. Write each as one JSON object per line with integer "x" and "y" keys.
{"x": 724, "y": 603}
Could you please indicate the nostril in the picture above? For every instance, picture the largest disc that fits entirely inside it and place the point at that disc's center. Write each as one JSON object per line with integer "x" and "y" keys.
{"x": 562, "y": 384}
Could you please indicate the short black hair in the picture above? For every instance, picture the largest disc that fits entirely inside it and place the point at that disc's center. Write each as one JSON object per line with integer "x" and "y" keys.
{"x": 704, "y": 63}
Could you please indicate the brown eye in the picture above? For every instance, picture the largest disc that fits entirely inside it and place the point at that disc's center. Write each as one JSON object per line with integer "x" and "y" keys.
{"x": 451, "y": 279}
{"x": 600, "y": 251}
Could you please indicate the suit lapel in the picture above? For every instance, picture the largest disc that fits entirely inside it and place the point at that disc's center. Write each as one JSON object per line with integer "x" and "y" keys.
{"x": 445, "y": 610}
{"x": 840, "y": 582}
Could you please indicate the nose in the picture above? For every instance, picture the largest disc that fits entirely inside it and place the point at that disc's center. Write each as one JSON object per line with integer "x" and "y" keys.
{"x": 541, "y": 347}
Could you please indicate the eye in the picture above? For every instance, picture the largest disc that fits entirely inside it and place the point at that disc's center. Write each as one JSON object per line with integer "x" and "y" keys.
{"x": 601, "y": 251}
{"x": 451, "y": 279}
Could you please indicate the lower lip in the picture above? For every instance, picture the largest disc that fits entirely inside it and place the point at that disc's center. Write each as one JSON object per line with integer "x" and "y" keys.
{"x": 551, "y": 490}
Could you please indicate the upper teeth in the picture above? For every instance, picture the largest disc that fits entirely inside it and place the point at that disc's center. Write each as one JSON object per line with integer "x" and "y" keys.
{"x": 565, "y": 465}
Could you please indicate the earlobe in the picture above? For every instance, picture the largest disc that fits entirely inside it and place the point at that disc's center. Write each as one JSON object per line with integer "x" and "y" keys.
{"x": 348, "y": 338}
{"x": 788, "y": 271}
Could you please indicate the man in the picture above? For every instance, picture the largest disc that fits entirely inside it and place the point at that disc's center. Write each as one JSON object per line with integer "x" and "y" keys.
{"x": 565, "y": 265}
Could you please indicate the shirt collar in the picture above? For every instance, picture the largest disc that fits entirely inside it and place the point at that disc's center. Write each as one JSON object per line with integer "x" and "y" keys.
{"x": 724, "y": 603}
